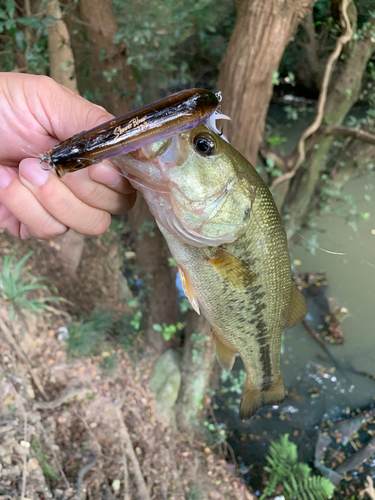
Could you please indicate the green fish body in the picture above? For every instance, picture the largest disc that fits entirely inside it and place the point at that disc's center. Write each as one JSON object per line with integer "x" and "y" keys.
{"x": 226, "y": 235}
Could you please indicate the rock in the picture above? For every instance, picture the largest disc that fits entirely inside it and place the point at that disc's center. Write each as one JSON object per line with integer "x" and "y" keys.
{"x": 123, "y": 287}
{"x": 166, "y": 379}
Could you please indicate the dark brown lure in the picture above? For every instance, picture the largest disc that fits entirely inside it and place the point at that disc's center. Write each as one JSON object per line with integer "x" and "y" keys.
{"x": 136, "y": 129}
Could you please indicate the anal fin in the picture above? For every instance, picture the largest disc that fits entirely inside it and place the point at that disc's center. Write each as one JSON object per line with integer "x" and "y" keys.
{"x": 188, "y": 289}
{"x": 224, "y": 353}
{"x": 297, "y": 308}
{"x": 254, "y": 398}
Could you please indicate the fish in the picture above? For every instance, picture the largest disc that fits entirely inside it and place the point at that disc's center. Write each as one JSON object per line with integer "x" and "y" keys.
{"x": 221, "y": 225}
{"x": 146, "y": 125}
{"x": 226, "y": 235}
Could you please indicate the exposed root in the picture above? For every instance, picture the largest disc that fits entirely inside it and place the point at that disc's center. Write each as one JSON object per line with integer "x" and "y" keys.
{"x": 129, "y": 451}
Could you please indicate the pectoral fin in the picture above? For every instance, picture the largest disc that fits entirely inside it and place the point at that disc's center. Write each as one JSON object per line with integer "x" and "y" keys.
{"x": 224, "y": 353}
{"x": 188, "y": 289}
{"x": 233, "y": 269}
{"x": 297, "y": 308}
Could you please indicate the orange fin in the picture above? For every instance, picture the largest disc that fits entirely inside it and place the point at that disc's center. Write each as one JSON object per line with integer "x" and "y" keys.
{"x": 297, "y": 308}
{"x": 233, "y": 269}
{"x": 224, "y": 353}
{"x": 188, "y": 289}
{"x": 253, "y": 398}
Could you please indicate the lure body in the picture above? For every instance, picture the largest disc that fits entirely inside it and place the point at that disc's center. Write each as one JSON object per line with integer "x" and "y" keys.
{"x": 136, "y": 129}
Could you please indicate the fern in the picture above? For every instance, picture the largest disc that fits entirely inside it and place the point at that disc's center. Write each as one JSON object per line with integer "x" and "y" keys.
{"x": 294, "y": 477}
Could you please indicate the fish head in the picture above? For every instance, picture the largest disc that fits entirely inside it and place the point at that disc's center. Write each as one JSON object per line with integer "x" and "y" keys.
{"x": 195, "y": 184}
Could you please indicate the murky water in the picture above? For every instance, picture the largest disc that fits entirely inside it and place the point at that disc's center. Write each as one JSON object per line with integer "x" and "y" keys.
{"x": 351, "y": 280}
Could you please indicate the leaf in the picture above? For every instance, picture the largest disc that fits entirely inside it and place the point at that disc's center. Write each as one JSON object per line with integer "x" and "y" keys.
{"x": 10, "y": 6}
{"x": 270, "y": 162}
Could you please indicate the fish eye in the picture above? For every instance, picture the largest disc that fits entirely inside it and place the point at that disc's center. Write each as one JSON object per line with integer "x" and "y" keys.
{"x": 204, "y": 145}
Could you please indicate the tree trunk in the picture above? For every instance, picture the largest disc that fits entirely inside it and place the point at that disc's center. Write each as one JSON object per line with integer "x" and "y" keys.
{"x": 343, "y": 95}
{"x": 113, "y": 76}
{"x": 152, "y": 257}
{"x": 98, "y": 17}
{"x": 62, "y": 70}
{"x": 262, "y": 31}
{"x": 61, "y": 58}
{"x": 197, "y": 363}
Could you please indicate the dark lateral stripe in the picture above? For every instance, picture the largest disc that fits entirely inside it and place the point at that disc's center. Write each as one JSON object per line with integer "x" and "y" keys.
{"x": 262, "y": 338}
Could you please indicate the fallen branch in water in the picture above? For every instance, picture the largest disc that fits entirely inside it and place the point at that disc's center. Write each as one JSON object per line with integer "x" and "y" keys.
{"x": 350, "y": 369}
{"x": 358, "y": 458}
{"x": 313, "y": 334}
{"x": 361, "y": 135}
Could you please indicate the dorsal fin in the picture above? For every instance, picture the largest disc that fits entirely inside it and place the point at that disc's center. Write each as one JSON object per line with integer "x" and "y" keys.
{"x": 188, "y": 289}
{"x": 233, "y": 269}
{"x": 224, "y": 353}
{"x": 297, "y": 308}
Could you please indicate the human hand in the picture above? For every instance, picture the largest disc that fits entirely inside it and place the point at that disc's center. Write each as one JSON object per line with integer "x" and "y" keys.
{"x": 37, "y": 113}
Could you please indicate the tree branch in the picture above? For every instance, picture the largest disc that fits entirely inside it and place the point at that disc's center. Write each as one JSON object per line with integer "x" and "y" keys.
{"x": 341, "y": 41}
{"x": 361, "y": 135}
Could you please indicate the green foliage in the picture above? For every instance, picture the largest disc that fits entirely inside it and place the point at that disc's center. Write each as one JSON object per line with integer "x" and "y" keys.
{"x": 84, "y": 337}
{"x": 232, "y": 384}
{"x": 218, "y": 431}
{"x": 26, "y": 36}
{"x": 18, "y": 288}
{"x": 109, "y": 361}
{"x": 167, "y": 330}
{"x": 147, "y": 227}
{"x": 43, "y": 459}
{"x": 175, "y": 43}
{"x": 293, "y": 476}
{"x": 276, "y": 140}
{"x": 198, "y": 340}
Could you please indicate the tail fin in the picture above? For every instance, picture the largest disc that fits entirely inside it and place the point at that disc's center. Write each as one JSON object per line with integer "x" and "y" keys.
{"x": 253, "y": 398}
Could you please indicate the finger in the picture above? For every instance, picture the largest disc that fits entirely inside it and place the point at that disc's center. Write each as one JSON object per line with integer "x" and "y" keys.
{"x": 26, "y": 233}
{"x": 64, "y": 112}
{"x": 18, "y": 199}
{"x": 9, "y": 222}
{"x": 110, "y": 175}
{"x": 98, "y": 195}
{"x": 59, "y": 201}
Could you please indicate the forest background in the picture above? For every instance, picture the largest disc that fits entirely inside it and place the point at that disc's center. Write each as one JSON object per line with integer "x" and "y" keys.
{"x": 316, "y": 59}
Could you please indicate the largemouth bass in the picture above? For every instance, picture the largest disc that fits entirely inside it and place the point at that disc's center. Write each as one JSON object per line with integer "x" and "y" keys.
{"x": 220, "y": 222}
{"x": 153, "y": 122}
{"x": 226, "y": 235}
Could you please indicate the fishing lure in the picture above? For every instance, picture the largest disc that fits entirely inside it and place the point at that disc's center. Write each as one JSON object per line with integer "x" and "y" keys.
{"x": 151, "y": 123}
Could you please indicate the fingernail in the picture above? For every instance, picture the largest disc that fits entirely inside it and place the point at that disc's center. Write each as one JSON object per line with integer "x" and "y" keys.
{"x": 32, "y": 172}
{"x": 5, "y": 178}
{"x": 106, "y": 175}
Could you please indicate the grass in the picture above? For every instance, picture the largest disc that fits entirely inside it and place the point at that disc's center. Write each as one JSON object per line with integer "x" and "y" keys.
{"x": 84, "y": 337}
{"x": 18, "y": 288}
